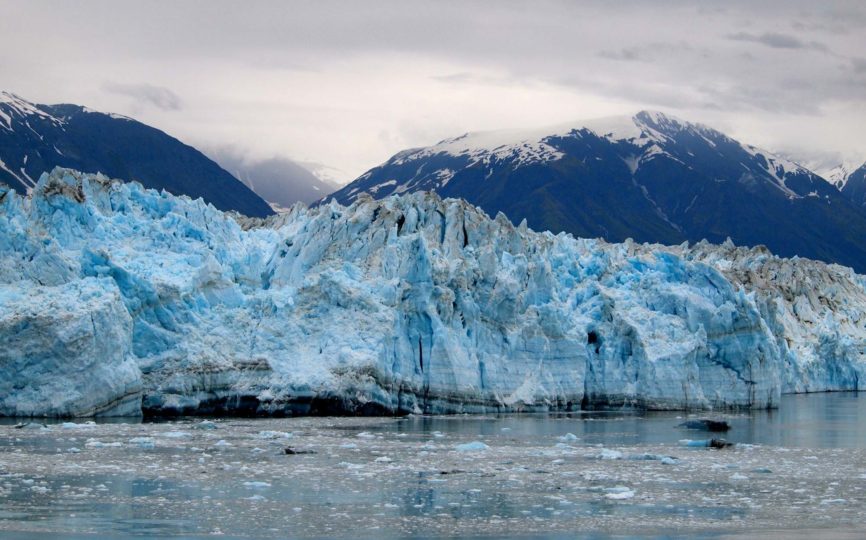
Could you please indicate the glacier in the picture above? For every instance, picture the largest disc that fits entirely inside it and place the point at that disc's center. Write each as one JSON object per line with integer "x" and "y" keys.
{"x": 120, "y": 300}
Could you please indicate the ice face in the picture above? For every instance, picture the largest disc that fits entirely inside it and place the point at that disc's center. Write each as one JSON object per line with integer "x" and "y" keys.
{"x": 408, "y": 304}
{"x": 66, "y": 351}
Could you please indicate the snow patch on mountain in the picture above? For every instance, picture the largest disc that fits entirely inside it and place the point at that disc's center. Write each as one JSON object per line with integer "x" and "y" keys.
{"x": 777, "y": 167}
{"x": 19, "y": 107}
{"x": 519, "y": 146}
{"x": 615, "y": 128}
{"x": 832, "y": 167}
{"x": 109, "y": 114}
{"x": 523, "y": 147}
{"x": 840, "y": 174}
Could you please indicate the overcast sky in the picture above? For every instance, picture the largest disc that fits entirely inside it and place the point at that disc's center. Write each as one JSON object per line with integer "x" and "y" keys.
{"x": 348, "y": 84}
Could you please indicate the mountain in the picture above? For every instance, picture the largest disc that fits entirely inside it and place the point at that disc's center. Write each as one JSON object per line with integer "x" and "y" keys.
{"x": 837, "y": 175}
{"x": 36, "y": 138}
{"x": 854, "y": 186}
{"x": 280, "y": 181}
{"x": 848, "y": 176}
{"x": 409, "y": 304}
{"x": 650, "y": 177}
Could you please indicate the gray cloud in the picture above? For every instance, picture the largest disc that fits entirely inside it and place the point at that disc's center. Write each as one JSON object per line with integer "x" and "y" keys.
{"x": 649, "y": 52}
{"x": 158, "y": 96}
{"x": 349, "y": 84}
{"x": 778, "y": 41}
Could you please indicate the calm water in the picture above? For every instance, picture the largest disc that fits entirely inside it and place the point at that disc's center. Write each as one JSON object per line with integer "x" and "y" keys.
{"x": 827, "y": 420}
{"x": 800, "y": 470}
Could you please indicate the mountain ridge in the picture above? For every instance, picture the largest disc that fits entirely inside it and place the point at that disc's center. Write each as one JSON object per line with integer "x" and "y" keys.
{"x": 35, "y": 138}
{"x": 651, "y": 177}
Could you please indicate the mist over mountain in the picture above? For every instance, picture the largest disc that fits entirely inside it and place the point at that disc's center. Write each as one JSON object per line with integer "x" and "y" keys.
{"x": 279, "y": 181}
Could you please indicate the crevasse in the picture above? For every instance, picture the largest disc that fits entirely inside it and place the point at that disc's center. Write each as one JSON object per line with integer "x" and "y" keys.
{"x": 118, "y": 300}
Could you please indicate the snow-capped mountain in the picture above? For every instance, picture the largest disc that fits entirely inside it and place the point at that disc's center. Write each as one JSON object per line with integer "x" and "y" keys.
{"x": 36, "y": 138}
{"x": 838, "y": 175}
{"x": 116, "y": 300}
{"x": 853, "y": 185}
{"x": 650, "y": 177}
{"x": 848, "y": 176}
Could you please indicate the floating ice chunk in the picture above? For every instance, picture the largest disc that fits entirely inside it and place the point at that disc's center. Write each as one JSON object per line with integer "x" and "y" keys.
{"x": 93, "y": 443}
{"x": 74, "y": 450}
{"x": 383, "y": 459}
{"x": 222, "y": 443}
{"x": 474, "y": 446}
{"x": 175, "y": 434}
{"x": 206, "y": 424}
{"x": 75, "y": 425}
{"x": 365, "y": 435}
{"x": 667, "y": 460}
{"x": 738, "y": 477}
{"x": 619, "y": 493}
{"x": 569, "y": 437}
{"x": 608, "y": 454}
{"x": 257, "y": 485}
{"x": 707, "y": 443}
{"x": 274, "y": 435}
{"x": 33, "y": 425}
{"x": 142, "y": 442}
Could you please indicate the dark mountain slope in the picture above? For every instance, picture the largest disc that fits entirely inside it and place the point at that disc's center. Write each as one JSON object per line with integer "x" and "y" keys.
{"x": 36, "y": 138}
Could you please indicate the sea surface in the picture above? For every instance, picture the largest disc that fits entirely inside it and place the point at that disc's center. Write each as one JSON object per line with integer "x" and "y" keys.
{"x": 799, "y": 471}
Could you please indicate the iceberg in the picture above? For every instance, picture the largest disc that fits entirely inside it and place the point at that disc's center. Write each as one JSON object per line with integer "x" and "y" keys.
{"x": 119, "y": 300}
{"x": 474, "y": 446}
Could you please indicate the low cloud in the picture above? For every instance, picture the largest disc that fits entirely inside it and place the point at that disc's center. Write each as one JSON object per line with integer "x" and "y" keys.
{"x": 323, "y": 80}
{"x": 648, "y": 52}
{"x": 146, "y": 94}
{"x": 778, "y": 41}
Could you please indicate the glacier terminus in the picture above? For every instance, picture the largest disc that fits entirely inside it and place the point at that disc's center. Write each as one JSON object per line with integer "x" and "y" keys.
{"x": 119, "y": 300}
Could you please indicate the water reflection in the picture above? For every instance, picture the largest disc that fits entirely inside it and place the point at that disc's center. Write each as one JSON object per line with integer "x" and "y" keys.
{"x": 827, "y": 420}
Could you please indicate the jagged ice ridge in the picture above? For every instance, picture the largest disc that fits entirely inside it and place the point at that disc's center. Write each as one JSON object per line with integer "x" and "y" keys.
{"x": 118, "y": 300}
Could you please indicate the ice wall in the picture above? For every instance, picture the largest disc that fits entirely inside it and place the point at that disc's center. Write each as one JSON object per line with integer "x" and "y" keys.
{"x": 409, "y": 304}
